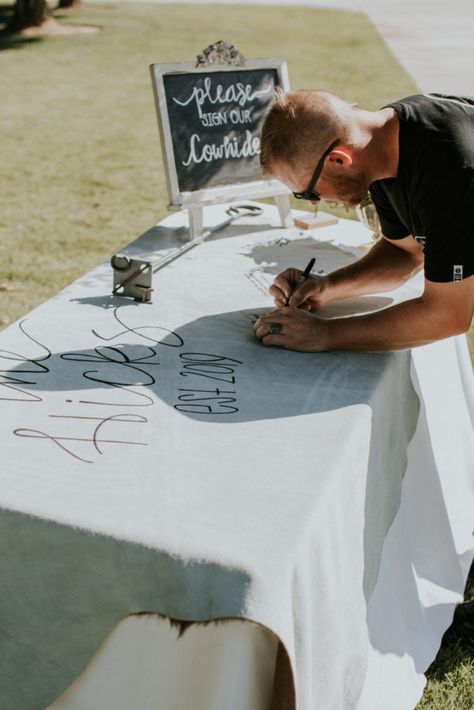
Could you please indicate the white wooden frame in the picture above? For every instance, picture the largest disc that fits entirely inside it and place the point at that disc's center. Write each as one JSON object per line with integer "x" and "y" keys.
{"x": 195, "y": 200}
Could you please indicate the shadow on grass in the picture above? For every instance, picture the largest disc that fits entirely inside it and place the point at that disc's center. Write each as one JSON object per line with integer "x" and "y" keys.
{"x": 461, "y": 631}
{"x": 11, "y": 40}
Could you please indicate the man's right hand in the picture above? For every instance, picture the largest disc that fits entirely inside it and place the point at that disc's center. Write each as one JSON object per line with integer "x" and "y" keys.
{"x": 312, "y": 293}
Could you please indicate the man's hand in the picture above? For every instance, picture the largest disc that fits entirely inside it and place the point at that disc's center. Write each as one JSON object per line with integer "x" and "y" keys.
{"x": 443, "y": 310}
{"x": 309, "y": 296}
{"x": 387, "y": 265}
{"x": 292, "y": 328}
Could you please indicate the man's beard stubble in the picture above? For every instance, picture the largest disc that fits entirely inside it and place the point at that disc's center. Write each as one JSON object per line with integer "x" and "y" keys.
{"x": 350, "y": 190}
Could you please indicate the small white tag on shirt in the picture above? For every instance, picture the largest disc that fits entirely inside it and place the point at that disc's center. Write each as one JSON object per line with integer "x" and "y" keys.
{"x": 457, "y": 272}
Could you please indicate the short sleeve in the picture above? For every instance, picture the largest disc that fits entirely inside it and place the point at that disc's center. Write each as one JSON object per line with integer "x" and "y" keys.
{"x": 391, "y": 225}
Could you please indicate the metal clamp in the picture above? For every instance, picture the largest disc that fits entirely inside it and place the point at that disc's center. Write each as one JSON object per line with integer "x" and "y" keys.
{"x": 132, "y": 277}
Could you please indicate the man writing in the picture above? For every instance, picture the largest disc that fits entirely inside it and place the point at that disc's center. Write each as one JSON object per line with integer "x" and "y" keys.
{"x": 416, "y": 157}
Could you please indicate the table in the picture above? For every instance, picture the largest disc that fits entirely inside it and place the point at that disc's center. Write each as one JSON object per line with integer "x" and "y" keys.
{"x": 157, "y": 458}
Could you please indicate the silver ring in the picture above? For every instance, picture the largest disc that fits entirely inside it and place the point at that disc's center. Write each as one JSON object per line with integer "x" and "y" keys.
{"x": 275, "y": 328}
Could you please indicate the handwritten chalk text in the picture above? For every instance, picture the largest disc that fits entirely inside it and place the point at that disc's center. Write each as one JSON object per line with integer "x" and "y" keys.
{"x": 239, "y": 93}
{"x": 220, "y": 118}
{"x": 229, "y": 148}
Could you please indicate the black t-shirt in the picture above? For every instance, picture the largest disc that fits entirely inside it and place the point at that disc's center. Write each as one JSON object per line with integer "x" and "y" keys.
{"x": 432, "y": 197}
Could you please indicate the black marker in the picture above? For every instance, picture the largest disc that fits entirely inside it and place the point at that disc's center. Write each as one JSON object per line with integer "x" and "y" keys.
{"x": 301, "y": 279}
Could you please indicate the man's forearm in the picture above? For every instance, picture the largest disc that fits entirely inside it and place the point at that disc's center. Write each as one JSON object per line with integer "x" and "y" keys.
{"x": 385, "y": 267}
{"x": 405, "y": 325}
{"x": 443, "y": 310}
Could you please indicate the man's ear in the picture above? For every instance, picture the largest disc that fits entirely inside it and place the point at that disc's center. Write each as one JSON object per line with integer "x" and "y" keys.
{"x": 341, "y": 155}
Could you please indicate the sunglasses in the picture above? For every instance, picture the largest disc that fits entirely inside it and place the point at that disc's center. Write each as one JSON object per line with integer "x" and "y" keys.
{"x": 308, "y": 194}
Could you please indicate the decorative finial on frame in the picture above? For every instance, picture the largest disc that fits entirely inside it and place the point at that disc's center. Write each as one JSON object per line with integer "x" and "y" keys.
{"x": 220, "y": 53}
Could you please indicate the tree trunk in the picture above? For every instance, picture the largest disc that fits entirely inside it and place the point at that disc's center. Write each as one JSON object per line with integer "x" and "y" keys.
{"x": 29, "y": 13}
{"x": 70, "y": 4}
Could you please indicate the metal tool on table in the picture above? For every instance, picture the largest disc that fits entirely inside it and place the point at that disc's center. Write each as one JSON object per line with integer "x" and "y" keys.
{"x": 133, "y": 277}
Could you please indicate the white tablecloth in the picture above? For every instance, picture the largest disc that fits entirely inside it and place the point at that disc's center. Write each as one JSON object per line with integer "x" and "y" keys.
{"x": 156, "y": 457}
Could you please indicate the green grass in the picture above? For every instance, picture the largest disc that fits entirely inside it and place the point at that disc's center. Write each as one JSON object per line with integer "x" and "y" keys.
{"x": 81, "y": 168}
{"x": 450, "y": 685}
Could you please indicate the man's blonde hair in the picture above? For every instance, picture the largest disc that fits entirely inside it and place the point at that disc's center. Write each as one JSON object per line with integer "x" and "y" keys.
{"x": 300, "y": 126}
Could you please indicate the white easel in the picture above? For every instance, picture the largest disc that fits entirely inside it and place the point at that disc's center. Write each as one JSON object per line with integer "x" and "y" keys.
{"x": 218, "y": 57}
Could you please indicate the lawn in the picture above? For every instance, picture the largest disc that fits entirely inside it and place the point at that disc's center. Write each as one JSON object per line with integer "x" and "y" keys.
{"x": 81, "y": 168}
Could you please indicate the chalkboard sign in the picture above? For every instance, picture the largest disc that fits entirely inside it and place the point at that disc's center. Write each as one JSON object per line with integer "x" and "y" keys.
{"x": 210, "y": 120}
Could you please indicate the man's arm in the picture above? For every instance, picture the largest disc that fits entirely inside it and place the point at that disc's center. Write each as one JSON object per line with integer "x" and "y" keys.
{"x": 387, "y": 265}
{"x": 444, "y": 309}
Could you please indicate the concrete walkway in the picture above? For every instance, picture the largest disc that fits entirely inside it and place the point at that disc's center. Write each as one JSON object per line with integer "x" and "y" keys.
{"x": 432, "y": 39}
